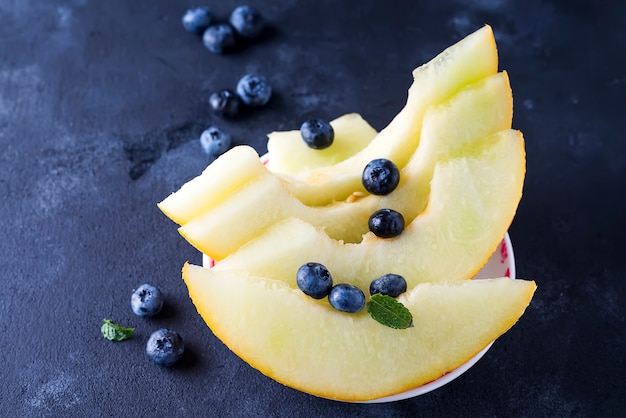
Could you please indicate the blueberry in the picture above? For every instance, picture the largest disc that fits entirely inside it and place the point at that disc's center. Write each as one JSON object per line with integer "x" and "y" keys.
{"x": 347, "y": 298}
{"x": 247, "y": 22}
{"x": 197, "y": 19}
{"x": 389, "y": 284}
{"x": 386, "y": 223}
{"x": 165, "y": 347}
{"x": 317, "y": 133}
{"x": 380, "y": 176}
{"x": 215, "y": 141}
{"x": 219, "y": 38}
{"x": 146, "y": 300}
{"x": 314, "y": 280}
{"x": 254, "y": 90}
{"x": 225, "y": 103}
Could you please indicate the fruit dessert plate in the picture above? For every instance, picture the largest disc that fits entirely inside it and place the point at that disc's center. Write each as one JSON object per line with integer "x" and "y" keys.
{"x": 459, "y": 170}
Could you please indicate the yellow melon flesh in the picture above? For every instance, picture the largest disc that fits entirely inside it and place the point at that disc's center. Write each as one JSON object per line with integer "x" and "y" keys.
{"x": 309, "y": 346}
{"x": 472, "y": 202}
{"x": 449, "y": 130}
{"x": 466, "y": 62}
{"x": 288, "y": 154}
{"x": 226, "y": 174}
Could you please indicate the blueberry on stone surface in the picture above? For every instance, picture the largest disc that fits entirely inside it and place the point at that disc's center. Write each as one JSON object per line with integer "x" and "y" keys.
{"x": 390, "y": 284}
{"x": 215, "y": 141}
{"x": 317, "y": 133}
{"x": 219, "y": 38}
{"x": 247, "y": 22}
{"x": 380, "y": 176}
{"x": 386, "y": 223}
{"x": 346, "y": 298}
{"x": 165, "y": 347}
{"x": 225, "y": 103}
{"x": 197, "y": 19}
{"x": 146, "y": 300}
{"x": 314, "y": 279}
{"x": 254, "y": 90}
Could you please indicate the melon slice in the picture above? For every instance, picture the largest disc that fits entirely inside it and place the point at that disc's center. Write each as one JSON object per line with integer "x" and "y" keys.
{"x": 472, "y": 203}
{"x": 449, "y": 130}
{"x": 309, "y": 346}
{"x": 225, "y": 175}
{"x": 466, "y": 62}
{"x": 288, "y": 154}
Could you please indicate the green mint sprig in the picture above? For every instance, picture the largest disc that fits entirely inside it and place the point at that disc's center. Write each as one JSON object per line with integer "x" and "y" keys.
{"x": 389, "y": 312}
{"x": 115, "y": 332}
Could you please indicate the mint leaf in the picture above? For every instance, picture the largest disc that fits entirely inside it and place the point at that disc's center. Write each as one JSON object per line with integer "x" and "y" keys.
{"x": 115, "y": 332}
{"x": 389, "y": 312}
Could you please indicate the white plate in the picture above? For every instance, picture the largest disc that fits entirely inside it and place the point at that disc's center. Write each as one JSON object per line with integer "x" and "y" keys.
{"x": 500, "y": 264}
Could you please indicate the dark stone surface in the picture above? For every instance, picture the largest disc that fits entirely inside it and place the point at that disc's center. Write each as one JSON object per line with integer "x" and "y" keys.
{"x": 101, "y": 104}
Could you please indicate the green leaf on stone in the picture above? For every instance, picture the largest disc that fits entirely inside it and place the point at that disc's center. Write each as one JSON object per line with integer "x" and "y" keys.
{"x": 115, "y": 332}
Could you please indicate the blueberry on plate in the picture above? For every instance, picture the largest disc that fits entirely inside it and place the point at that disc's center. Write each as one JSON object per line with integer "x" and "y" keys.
{"x": 146, "y": 300}
{"x": 386, "y": 223}
{"x": 314, "y": 279}
{"x": 380, "y": 176}
{"x": 346, "y": 298}
{"x": 219, "y": 38}
{"x": 197, "y": 19}
{"x": 317, "y": 133}
{"x": 225, "y": 103}
{"x": 247, "y": 22}
{"x": 165, "y": 347}
{"x": 254, "y": 90}
{"x": 215, "y": 141}
{"x": 389, "y": 284}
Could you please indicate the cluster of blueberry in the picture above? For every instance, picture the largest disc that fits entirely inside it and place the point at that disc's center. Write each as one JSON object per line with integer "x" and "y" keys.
{"x": 315, "y": 280}
{"x": 164, "y": 347}
{"x": 251, "y": 90}
{"x": 244, "y": 23}
{"x": 381, "y": 177}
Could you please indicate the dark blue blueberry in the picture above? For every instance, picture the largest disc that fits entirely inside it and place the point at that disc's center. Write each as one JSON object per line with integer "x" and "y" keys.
{"x": 380, "y": 176}
{"x": 390, "y": 284}
{"x": 386, "y": 223}
{"x": 146, "y": 300}
{"x": 197, "y": 19}
{"x": 317, "y": 133}
{"x": 254, "y": 90}
{"x": 219, "y": 38}
{"x": 225, "y": 103}
{"x": 165, "y": 347}
{"x": 247, "y": 22}
{"x": 215, "y": 141}
{"x": 347, "y": 298}
{"x": 314, "y": 280}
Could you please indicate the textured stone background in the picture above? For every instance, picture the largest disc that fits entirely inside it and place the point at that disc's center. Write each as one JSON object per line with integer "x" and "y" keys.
{"x": 101, "y": 104}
